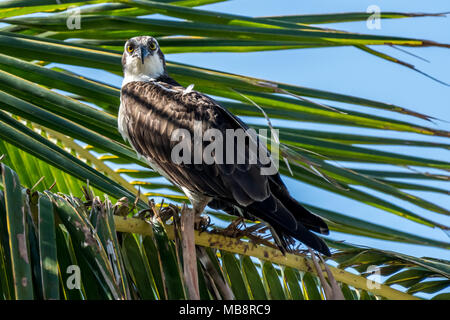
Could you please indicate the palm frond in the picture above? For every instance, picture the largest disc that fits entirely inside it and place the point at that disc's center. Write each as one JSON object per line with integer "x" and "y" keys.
{"x": 58, "y": 131}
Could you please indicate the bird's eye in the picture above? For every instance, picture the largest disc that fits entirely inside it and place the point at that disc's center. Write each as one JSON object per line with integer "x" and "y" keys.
{"x": 152, "y": 46}
{"x": 130, "y": 49}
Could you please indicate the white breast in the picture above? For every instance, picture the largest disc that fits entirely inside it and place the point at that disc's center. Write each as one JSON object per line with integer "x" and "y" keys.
{"x": 122, "y": 123}
{"x": 197, "y": 200}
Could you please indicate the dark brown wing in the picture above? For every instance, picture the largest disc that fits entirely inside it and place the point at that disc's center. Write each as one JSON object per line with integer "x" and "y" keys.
{"x": 154, "y": 110}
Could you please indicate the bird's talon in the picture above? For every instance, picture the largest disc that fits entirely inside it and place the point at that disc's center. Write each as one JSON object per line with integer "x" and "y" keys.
{"x": 202, "y": 223}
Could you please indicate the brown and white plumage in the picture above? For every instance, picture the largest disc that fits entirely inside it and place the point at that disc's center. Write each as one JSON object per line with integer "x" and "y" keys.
{"x": 153, "y": 106}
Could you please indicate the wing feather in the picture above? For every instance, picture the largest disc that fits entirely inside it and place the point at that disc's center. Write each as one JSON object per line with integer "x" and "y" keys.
{"x": 156, "y": 110}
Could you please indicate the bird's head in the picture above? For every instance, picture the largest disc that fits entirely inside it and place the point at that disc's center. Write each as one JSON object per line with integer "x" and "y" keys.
{"x": 142, "y": 58}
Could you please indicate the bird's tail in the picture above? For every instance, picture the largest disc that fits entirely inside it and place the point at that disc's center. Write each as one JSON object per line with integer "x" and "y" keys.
{"x": 290, "y": 220}
{"x": 306, "y": 222}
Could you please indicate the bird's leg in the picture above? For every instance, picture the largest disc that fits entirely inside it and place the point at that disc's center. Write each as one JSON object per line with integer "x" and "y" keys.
{"x": 202, "y": 222}
{"x": 189, "y": 254}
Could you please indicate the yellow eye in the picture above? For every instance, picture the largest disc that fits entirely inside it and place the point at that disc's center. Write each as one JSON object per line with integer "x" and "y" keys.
{"x": 130, "y": 49}
{"x": 152, "y": 46}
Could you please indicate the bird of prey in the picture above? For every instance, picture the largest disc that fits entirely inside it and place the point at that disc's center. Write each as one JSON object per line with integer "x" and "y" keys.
{"x": 153, "y": 105}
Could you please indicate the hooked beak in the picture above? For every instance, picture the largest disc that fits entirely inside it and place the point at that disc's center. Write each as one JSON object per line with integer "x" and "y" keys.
{"x": 142, "y": 55}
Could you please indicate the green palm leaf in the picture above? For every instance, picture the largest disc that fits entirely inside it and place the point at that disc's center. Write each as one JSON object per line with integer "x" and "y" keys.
{"x": 58, "y": 132}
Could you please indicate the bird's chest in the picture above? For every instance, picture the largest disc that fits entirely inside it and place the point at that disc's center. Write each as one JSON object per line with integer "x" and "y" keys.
{"x": 122, "y": 123}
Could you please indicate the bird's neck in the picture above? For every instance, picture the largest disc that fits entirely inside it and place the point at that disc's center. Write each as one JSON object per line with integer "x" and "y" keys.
{"x": 143, "y": 77}
{"x": 136, "y": 77}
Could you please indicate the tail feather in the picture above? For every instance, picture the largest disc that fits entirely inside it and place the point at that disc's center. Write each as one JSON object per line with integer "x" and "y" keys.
{"x": 287, "y": 218}
{"x": 300, "y": 233}
{"x": 305, "y": 217}
{"x": 312, "y": 241}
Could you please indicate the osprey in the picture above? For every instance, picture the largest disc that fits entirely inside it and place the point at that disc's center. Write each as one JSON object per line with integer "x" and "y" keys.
{"x": 153, "y": 106}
